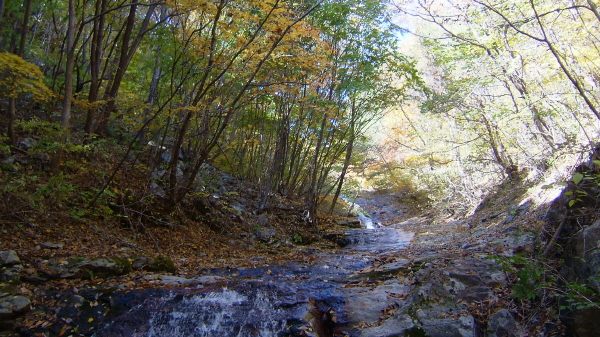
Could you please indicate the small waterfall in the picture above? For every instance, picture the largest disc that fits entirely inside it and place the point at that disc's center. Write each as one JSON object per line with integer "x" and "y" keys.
{"x": 225, "y": 313}
{"x": 365, "y": 221}
{"x": 248, "y": 310}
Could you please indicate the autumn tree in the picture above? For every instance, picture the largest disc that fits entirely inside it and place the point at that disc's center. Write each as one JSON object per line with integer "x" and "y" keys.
{"x": 513, "y": 81}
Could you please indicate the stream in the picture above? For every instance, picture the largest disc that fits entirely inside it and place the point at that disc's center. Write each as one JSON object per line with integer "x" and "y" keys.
{"x": 326, "y": 298}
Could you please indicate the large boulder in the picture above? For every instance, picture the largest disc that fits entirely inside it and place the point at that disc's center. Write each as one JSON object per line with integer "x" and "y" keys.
{"x": 438, "y": 302}
{"x": 502, "y": 324}
{"x": 582, "y": 266}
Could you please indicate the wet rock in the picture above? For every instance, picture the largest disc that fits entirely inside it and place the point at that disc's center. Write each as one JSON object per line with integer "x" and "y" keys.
{"x": 171, "y": 280}
{"x": 9, "y": 258}
{"x": 337, "y": 238}
{"x": 349, "y": 222}
{"x": 502, "y": 324}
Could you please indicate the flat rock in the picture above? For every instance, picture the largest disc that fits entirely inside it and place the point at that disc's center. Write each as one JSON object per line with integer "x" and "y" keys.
{"x": 13, "y": 305}
{"x": 171, "y": 280}
{"x": 51, "y": 245}
{"x": 400, "y": 325}
{"x": 82, "y": 267}
{"x": 367, "y": 305}
{"x": 350, "y": 223}
{"x": 9, "y": 258}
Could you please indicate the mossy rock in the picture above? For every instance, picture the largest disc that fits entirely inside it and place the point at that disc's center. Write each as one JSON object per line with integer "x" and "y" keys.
{"x": 124, "y": 263}
{"x": 160, "y": 263}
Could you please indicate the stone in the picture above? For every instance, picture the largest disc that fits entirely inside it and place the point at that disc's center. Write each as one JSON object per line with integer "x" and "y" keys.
{"x": 265, "y": 235}
{"x": 366, "y": 305}
{"x": 582, "y": 265}
{"x": 11, "y": 275}
{"x": 85, "y": 268}
{"x": 154, "y": 264}
{"x": 502, "y": 324}
{"x": 13, "y": 305}
{"x": 26, "y": 144}
{"x": 238, "y": 208}
{"x": 50, "y": 245}
{"x": 401, "y": 325}
{"x": 9, "y": 258}
{"x": 172, "y": 280}
{"x": 263, "y": 220}
{"x": 157, "y": 190}
{"x": 460, "y": 325}
{"x": 349, "y": 222}
{"x": 338, "y": 239}
{"x": 593, "y": 265}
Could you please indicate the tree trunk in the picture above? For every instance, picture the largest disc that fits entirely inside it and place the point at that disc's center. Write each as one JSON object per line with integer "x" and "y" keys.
{"x": 68, "y": 94}
{"x": 24, "y": 28}
{"x": 120, "y": 73}
{"x": 349, "y": 149}
{"x": 95, "y": 63}
{"x": 12, "y": 113}
{"x": 313, "y": 194}
{"x": 12, "y": 102}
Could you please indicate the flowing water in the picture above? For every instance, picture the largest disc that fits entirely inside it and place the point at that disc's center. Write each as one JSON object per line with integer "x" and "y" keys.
{"x": 285, "y": 300}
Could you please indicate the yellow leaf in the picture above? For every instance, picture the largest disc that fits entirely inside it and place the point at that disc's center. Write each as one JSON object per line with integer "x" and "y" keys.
{"x": 90, "y": 320}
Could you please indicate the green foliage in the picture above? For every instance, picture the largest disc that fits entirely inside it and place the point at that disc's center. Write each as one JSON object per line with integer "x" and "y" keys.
{"x": 57, "y": 188}
{"x": 297, "y": 238}
{"x": 532, "y": 279}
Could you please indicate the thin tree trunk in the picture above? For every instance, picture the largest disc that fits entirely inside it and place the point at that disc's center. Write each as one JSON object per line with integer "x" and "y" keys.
{"x": 12, "y": 102}
{"x": 120, "y": 73}
{"x": 12, "y": 113}
{"x": 312, "y": 195}
{"x": 24, "y": 28}
{"x": 349, "y": 149}
{"x": 95, "y": 63}
{"x": 68, "y": 94}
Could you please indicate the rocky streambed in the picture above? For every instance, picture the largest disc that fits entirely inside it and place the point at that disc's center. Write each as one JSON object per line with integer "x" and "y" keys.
{"x": 377, "y": 285}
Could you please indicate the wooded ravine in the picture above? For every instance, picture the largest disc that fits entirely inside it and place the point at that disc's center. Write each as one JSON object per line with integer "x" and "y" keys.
{"x": 406, "y": 145}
